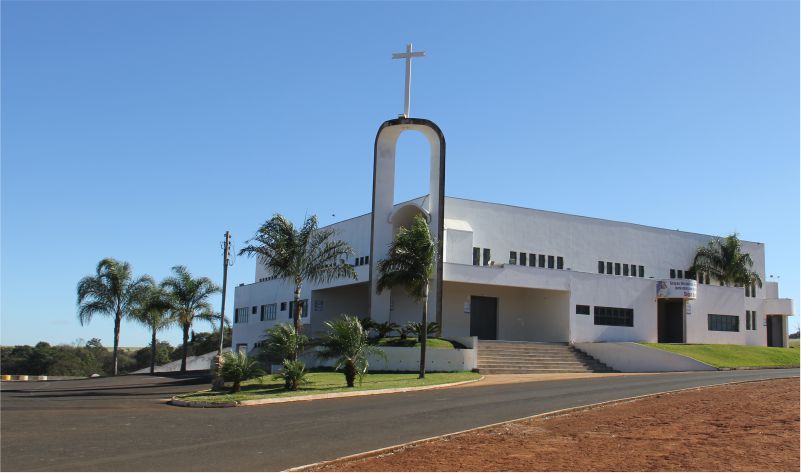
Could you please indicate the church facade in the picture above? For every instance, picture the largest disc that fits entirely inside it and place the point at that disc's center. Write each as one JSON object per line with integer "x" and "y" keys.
{"x": 511, "y": 273}
{"x": 517, "y": 274}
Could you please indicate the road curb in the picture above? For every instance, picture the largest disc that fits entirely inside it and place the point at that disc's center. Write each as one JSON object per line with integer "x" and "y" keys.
{"x": 174, "y": 401}
{"x": 556, "y": 413}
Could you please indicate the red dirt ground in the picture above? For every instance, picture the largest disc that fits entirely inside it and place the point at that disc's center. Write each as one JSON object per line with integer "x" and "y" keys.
{"x": 739, "y": 427}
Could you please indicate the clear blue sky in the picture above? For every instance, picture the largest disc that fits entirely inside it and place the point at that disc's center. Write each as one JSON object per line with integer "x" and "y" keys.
{"x": 143, "y": 130}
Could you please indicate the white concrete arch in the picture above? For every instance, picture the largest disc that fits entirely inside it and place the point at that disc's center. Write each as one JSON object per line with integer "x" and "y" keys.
{"x": 383, "y": 229}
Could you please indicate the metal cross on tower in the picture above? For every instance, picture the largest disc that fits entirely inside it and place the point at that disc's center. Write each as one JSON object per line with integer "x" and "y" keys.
{"x": 408, "y": 55}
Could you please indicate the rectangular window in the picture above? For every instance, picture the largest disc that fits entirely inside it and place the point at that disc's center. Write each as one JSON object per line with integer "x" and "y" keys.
{"x": 617, "y": 269}
{"x": 367, "y": 259}
{"x": 753, "y": 320}
{"x": 680, "y": 274}
{"x": 550, "y": 262}
{"x": 615, "y": 316}
{"x": 633, "y": 270}
{"x": 522, "y": 259}
{"x": 706, "y": 278}
{"x": 560, "y": 262}
{"x": 748, "y": 320}
{"x": 532, "y": 259}
{"x": 608, "y": 267}
{"x": 723, "y": 323}
{"x": 625, "y": 269}
{"x": 747, "y": 291}
{"x": 541, "y": 261}
{"x": 476, "y": 256}
{"x": 241, "y": 315}
{"x": 753, "y": 290}
{"x": 253, "y": 310}
{"x": 512, "y": 257}
{"x": 263, "y": 313}
{"x": 283, "y": 306}
{"x": 601, "y": 267}
{"x": 672, "y": 274}
{"x": 304, "y": 304}
{"x": 486, "y": 256}
{"x": 582, "y": 309}
{"x": 271, "y": 309}
{"x": 642, "y": 271}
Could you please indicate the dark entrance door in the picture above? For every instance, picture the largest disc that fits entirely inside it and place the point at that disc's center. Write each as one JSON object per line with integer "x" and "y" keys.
{"x": 775, "y": 338}
{"x": 484, "y": 317}
{"x": 670, "y": 320}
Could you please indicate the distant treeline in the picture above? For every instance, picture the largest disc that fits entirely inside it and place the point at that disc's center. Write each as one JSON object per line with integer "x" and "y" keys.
{"x": 94, "y": 358}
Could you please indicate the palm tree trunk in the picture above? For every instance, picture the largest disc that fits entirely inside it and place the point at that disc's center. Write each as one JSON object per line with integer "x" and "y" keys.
{"x": 117, "y": 323}
{"x": 350, "y": 373}
{"x": 297, "y": 314}
{"x": 424, "y": 336}
{"x": 185, "y": 348}
{"x": 153, "y": 352}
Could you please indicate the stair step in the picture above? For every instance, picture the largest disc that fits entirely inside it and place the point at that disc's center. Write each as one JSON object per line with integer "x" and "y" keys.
{"x": 502, "y": 357}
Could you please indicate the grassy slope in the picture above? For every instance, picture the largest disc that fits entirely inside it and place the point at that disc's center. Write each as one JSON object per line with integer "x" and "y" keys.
{"x": 733, "y": 356}
{"x": 412, "y": 342}
{"x": 329, "y": 382}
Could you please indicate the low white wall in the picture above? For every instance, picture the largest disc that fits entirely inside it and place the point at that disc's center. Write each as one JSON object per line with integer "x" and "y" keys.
{"x": 408, "y": 359}
{"x": 630, "y": 357}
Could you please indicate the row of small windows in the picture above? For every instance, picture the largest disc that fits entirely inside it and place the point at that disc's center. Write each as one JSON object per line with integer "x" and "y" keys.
{"x": 361, "y": 261}
{"x": 750, "y": 320}
{"x": 681, "y": 274}
{"x": 750, "y": 291}
{"x": 621, "y": 269}
{"x": 533, "y": 259}
{"x": 723, "y": 323}
{"x": 477, "y": 254}
{"x": 270, "y": 311}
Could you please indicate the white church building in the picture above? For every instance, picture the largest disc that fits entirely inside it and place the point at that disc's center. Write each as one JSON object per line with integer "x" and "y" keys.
{"x": 519, "y": 274}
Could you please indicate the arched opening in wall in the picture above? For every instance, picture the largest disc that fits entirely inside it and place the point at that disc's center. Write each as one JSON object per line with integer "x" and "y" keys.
{"x": 403, "y": 309}
{"x": 412, "y": 166}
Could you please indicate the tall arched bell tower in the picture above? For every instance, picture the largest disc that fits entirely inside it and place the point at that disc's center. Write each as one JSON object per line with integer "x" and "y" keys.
{"x": 384, "y": 215}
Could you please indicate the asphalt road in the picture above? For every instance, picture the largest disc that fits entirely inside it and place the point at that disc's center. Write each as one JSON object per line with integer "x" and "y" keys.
{"x": 123, "y": 424}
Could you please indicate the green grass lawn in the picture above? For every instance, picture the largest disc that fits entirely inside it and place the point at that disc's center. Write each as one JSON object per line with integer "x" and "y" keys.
{"x": 794, "y": 343}
{"x": 412, "y": 342}
{"x": 326, "y": 382}
{"x": 733, "y": 356}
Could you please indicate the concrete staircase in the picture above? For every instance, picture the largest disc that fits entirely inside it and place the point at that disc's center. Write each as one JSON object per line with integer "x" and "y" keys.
{"x": 500, "y": 357}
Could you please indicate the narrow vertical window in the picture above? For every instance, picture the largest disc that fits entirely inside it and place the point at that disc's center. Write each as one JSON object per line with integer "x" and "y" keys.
{"x": 748, "y": 320}
{"x": 541, "y": 261}
{"x": 680, "y": 274}
{"x": 366, "y": 260}
{"x": 747, "y": 291}
{"x": 753, "y": 290}
{"x": 641, "y": 270}
{"x": 560, "y": 262}
{"x": 706, "y": 278}
{"x": 672, "y": 274}
{"x": 617, "y": 269}
{"x": 550, "y": 262}
{"x": 608, "y": 267}
{"x": 512, "y": 257}
{"x": 601, "y": 267}
{"x": 486, "y": 256}
{"x": 476, "y": 256}
{"x": 625, "y": 269}
{"x": 532, "y": 259}
{"x": 522, "y": 259}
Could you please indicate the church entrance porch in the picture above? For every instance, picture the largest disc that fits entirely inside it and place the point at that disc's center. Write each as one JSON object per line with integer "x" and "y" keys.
{"x": 505, "y": 313}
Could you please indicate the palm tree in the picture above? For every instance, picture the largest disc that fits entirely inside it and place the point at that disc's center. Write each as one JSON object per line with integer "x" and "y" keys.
{"x": 112, "y": 292}
{"x": 238, "y": 367}
{"x": 300, "y": 255}
{"x": 190, "y": 300}
{"x": 282, "y": 341}
{"x": 411, "y": 264}
{"x": 155, "y": 309}
{"x": 724, "y": 260}
{"x": 346, "y": 340}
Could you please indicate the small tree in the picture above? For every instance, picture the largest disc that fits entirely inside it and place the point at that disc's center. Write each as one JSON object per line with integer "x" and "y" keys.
{"x": 723, "y": 259}
{"x": 190, "y": 301}
{"x": 346, "y": 341}
{"x": 308, "y": 254}
{"x": 385, "y": 328}
{"x": 411, "y": 264}
{"x": 113, "y": 291}
{"x": 282, "y": 341}
{"x": 415, "y": 328}
{"x": 237, "y": 367}
{"x": 293, "y": 373}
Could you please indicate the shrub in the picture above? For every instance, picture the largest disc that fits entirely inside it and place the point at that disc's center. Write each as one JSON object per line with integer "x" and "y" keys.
{"x": 415, "y": 329}
{"x": 238, "y": 367}
{"x": 346, "y": 341}
{"x": 293, "y": 373}
{"x": 282, "y": 342}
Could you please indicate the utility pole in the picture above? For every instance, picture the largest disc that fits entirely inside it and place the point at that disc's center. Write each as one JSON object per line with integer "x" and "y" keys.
{"x": 226, "y": 259}
{"x": 218, "y": 382}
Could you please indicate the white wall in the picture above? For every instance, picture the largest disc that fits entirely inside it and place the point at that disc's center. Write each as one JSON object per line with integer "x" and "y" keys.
{"x": 718, "y": 300}
{"x": 634, "y": 358}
